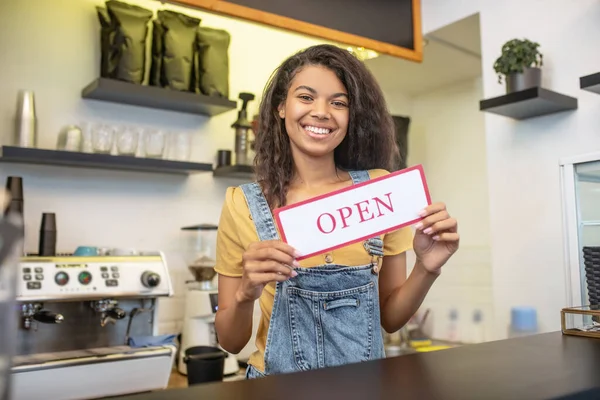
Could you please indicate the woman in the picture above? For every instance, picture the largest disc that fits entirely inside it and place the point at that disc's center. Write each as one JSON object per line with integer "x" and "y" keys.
{"x": 324, "y": 126}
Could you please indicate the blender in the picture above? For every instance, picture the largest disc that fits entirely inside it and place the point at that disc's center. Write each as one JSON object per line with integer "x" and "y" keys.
{"x": 201, "y": 301}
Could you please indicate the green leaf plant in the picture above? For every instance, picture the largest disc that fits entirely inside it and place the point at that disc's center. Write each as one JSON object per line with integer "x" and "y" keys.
{"x": 517, "y": 54}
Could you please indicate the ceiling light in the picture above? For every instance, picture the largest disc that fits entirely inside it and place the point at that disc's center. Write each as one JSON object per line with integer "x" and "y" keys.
{"x": 361, "y": 53}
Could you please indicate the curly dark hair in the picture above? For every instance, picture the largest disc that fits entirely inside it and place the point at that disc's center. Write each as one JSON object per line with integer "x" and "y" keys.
{"x": 369, "y": 142}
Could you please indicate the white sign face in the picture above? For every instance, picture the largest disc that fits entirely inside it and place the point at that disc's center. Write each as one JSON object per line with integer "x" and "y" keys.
{"x": 355, "y": 213}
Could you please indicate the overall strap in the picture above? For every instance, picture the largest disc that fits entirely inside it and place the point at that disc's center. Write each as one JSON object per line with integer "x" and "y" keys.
{"x": 374, "y": 245}
{"x": 359, "y": 176}
{"x": 259, "y": 211}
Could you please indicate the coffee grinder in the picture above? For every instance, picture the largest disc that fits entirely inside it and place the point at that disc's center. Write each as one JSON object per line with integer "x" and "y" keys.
{"x": 201, "y": 298}
{"x": 242, "y": 131}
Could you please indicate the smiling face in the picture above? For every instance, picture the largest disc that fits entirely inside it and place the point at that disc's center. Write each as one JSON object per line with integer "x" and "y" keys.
{"x": 315, "y": 112}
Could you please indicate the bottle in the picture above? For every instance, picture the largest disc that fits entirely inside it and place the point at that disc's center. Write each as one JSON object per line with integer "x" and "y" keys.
{"x": 242, "y": 126}
{"x": 453, "y": 326}
{"x": 477, "y": 333}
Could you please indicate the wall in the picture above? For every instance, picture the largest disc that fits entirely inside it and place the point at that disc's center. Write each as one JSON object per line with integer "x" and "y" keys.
{"x": 52, "y": 48}
{"x": 447, "y": 137}
{"x": 524, "y": 188}
{"x": 526, "y": 213}
{"x": 438, "y": 13}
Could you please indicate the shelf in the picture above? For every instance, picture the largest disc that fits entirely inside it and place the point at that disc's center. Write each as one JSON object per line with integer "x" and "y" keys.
{"x": 25, "y": 155}
{"x": 115, "y": 91}
{"x": 590, "y": 223}
{"x": 529, "y": 103}
{"x": 591, "y": 83}
{"x": 235, "y": 171}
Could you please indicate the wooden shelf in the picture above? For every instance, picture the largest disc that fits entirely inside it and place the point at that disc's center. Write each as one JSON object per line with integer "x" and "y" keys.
{"x": 245, "y": 172}
{"x": 115, "y": 91}
{"x": 529, "y": 103}
{"x": 25, "y": 155}
{"x": 591, "y": 83}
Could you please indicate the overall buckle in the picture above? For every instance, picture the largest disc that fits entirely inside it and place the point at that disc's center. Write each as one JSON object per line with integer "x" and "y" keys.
{"x": 376, "y": 262}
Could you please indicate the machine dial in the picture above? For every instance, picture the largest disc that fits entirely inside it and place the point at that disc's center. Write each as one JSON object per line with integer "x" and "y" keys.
{"x": 85, "y": 277}
{"x": 61, "y": 278}
{"x": 150, "y": 279}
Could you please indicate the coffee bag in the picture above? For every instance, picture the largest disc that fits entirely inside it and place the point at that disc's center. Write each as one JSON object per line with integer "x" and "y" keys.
{"x": 108, "y": 59}
{"x": 178, "y": 48}
{"x": 213, "y": 61}
{"x": 127, "y": 37}
{"x": 157, "y": 53}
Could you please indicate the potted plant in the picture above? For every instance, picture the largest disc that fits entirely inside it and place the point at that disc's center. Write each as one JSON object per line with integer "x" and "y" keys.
{"x": 519, "y": 64}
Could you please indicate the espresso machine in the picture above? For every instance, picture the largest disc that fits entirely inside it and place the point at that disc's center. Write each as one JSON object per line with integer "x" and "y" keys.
{"x": 201, "y": 301}
{"x": 88, "y": 327}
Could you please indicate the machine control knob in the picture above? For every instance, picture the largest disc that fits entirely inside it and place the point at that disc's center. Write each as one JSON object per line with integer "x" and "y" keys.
{"x": 84, "y": 277}
{"x": 61, "y": 278}
{"x": 150, "y": 279}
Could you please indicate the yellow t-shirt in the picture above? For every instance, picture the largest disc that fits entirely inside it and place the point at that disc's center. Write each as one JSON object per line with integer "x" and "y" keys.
{"x": 237, "y": 231}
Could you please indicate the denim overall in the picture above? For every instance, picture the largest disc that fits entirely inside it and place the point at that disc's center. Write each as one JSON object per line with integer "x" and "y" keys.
{"x": 327, "y": 315}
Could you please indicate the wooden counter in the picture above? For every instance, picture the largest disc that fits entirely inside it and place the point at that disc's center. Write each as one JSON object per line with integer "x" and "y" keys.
{"x": 546, "y": 366}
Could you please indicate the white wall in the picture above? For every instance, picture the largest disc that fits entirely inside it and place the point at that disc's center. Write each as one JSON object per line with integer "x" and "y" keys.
{"x": 447, "y": 136}
{"x": 438, "y": 13}
{"x": 398, "y": 103}
{"x": 524, "y": 192}
{"x": 52, "y": 48}
{"x": 527, "y": 238}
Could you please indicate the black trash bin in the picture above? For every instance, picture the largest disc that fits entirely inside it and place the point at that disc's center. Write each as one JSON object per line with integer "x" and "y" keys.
{"x": 204, "y": 364}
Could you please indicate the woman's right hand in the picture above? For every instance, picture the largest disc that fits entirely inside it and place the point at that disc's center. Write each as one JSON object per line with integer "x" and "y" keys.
{"x": 264, "y": 262}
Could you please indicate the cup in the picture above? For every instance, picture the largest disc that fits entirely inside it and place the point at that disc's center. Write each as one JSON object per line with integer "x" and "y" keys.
{"x": 154, "y": 143}
{"x": 84, "y": 251}
{"x": 47, "y": 243}
{"x": 127, "y": 140}
{"x": 102, "y": 138}
{"x": 25, "y": 120}
{"x": 223, "y": 158}
{"x": 14, "y": 186}
{"x": 181, "y": 146}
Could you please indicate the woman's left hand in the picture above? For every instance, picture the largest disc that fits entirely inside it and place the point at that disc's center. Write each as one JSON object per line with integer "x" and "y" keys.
{"x": 436, "y": 238}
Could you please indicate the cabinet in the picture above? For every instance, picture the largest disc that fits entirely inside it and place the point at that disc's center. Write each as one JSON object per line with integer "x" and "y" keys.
{"x": 580, "y": 184}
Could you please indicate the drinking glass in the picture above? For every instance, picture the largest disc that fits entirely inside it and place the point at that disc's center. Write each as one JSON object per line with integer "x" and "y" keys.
{"x": 154, "y": 143}
{"x": 181, "y": 146}
{"x": 102, "y": 138}
{"x": 127, "y": 140}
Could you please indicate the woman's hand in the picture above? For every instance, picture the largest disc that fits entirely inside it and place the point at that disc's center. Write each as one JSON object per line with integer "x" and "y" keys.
{"x": 264, "y": 262}
{"x": 436, "y": 238}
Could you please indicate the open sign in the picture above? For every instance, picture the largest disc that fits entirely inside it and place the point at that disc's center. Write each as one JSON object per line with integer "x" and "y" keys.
{"x": 355, "y": 213}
